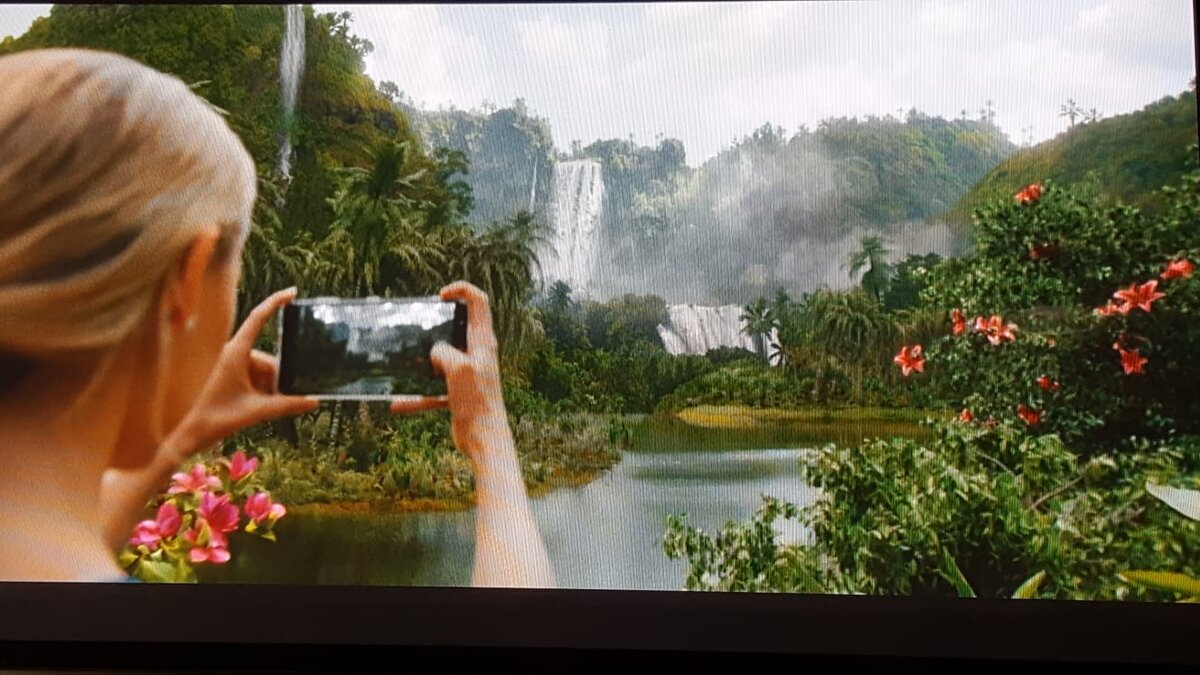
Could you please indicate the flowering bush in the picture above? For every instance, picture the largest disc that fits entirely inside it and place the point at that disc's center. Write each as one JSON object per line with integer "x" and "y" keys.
{"x": 1070, "y": 344}
{"x": 196, "y": 515}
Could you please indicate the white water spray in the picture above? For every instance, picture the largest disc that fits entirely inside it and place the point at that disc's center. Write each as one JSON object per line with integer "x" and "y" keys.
{"x": 291, "y": 69}
{"x": 696, "y": 329}
{"x": 576, "y": 210}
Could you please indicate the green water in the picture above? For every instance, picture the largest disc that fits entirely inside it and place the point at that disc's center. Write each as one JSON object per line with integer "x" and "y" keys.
{"x": 603, "y": 535}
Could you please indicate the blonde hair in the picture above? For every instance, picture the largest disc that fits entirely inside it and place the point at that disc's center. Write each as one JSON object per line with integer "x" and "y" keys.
{"x": 108, "y": 171}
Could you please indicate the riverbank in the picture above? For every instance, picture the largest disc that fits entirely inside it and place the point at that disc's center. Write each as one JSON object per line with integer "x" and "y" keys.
{"x": 745, "y": 417}
{"x": 419, "y": 475}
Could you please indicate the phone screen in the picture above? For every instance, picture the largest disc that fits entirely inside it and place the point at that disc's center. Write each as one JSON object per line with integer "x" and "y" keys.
{"x": 365, "y": 349}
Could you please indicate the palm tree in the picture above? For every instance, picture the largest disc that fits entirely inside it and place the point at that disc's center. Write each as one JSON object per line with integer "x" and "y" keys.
{"x": 851, "y": 327}
{"x": 269, "y": 261}
{"x": 375, "y": 245}
{"x": 873, "y": 257}
{"x": 758, "y": 324}
{"x": 558, "y": 298}
{"x": 503, "y": 262}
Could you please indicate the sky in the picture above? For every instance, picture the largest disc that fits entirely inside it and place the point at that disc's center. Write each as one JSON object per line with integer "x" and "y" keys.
{"x": 710, "y": 73}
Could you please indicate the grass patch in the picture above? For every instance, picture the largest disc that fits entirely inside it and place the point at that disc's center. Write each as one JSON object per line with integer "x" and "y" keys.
{"x": 744, "y": 417}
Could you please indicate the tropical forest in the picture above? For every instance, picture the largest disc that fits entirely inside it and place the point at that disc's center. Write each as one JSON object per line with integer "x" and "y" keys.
{"x": 901, "y": 353}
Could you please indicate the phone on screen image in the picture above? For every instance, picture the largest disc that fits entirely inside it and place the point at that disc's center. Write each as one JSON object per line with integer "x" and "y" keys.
{"x": 365, "y": 348}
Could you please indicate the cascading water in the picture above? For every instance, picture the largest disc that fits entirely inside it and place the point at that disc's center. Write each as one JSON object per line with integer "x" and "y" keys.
{"x": 576, "y": 209}
{"x": 696, "y": 329}
{"x": 291, "y": 69}
{"x": 533, "y": 188}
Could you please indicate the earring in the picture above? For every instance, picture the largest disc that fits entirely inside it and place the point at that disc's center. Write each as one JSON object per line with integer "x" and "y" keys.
{"x": 190, "y": 326}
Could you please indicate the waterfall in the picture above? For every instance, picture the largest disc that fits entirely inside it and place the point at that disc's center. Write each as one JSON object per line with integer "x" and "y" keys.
{"x": 533, "y": 188}
{"x": 291, "y": 69}
{"x": 578, "y": 199}
{"x": 696, "y": 329}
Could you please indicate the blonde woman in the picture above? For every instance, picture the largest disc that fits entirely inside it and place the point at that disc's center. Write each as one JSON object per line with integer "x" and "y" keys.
{"x": 124, "y": 204}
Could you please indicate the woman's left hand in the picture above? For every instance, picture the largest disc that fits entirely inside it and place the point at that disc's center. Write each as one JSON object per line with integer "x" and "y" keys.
{"x": 241, "y": 391}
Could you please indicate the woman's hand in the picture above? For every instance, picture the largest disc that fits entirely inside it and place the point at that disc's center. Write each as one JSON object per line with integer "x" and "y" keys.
{"x": 508, "y": 548}
{"x": 479, "y": 422}
{"x": 241, "y": 390}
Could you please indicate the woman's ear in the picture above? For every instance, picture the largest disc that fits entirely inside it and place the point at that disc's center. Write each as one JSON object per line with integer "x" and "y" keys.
{"x": 186, "y": 284}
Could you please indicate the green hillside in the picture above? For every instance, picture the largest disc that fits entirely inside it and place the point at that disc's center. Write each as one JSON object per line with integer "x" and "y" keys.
{"x": 1128, "y": 157}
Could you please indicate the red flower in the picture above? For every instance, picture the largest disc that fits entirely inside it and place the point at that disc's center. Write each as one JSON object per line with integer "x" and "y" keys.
{"x": 910, "y": 359}
{"x": 1028, "y": 415}
{"x": 1112, "y": 308}
{"x": 960, "y": 322}
{"x": 1047, "y": 384}
{"x": 966, "y": 416}
{"x": 1043, "y": 250}
{"x": 1138, "y": 296}
{"x": 1029, "y": 195}
{"x": 1178, "y": 269}
{"x": 260, "y": 508}
{"x": 1131, "y": 361}
{"x": 196, "y": 480}
{"x": 240, "y": 467}
{"x": 995, "y": 329}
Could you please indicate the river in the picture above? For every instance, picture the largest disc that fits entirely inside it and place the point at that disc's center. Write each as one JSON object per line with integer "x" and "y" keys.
{"x": 605, "y": 534}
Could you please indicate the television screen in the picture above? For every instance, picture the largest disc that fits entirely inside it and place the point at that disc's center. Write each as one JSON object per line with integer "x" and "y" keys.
{"x": 889, "y": 298}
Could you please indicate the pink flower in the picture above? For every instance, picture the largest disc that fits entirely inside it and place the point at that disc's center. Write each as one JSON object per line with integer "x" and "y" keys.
{"x": 196, "y": 480}
{"x": 216, "y": 552}
{"x": 146, "y": 534}
{"x": 240, "y": 467}
{"x": 219, "y": 513}
{"x": 260, "y": 508}
{"x": 1178, "y": 269}
{"x": 910, "y": 359}
{"x": 1111, "y": 309}
{"x": 1138, "y": 296}
{"x": 165, "y": 525}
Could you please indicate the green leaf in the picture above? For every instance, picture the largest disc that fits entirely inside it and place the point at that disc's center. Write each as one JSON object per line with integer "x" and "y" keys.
{"x": 1184, "y": 501}
{"x": 1029, "y": 589}
{"x": 954, "y": 575}
{"x": 155, "y": 571}
{"x": 1164, "y": 581}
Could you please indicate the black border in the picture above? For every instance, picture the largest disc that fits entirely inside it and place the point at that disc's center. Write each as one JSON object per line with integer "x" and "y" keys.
{"x": 288, "y": 319}
{"x": 660, "y": 621}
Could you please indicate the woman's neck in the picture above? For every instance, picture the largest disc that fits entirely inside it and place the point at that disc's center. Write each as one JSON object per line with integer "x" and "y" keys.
{"x": 53, "y": 455}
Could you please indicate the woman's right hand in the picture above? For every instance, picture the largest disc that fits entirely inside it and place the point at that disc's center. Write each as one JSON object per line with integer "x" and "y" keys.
{"x": 475, "y": 397}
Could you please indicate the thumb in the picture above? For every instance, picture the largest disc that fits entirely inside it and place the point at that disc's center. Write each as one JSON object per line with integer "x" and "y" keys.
{"x": 447, "y": 359}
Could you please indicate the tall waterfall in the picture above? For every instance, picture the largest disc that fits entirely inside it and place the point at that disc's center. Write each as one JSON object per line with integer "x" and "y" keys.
{"x": 291, "y": 69}
{"x": 533, "y": 188}
{"x": 578, "y": 199}
{"x": 696, "y": 329}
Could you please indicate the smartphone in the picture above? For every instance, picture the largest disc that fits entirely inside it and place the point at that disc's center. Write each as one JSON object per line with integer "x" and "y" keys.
{"x": 365, "y": 349}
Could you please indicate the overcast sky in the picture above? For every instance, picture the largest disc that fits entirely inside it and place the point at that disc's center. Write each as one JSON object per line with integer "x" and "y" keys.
{"x": 710, "y": 73}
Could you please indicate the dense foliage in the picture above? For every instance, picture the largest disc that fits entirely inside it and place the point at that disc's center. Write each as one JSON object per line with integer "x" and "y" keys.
{"x": 1039, "y": 488}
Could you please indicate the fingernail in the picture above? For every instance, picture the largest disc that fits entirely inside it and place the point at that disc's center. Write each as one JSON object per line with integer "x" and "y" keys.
{"x": 291, "y": 289}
